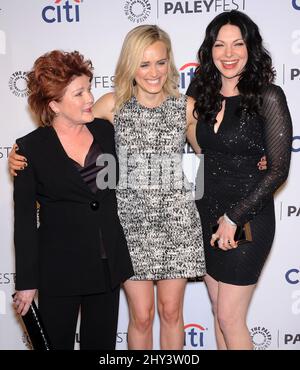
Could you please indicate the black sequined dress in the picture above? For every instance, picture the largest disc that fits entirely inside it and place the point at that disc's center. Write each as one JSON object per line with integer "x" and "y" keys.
{"x": 233, "y": 183}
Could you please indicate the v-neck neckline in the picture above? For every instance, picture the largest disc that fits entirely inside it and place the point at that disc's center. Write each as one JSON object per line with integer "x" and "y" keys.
{"x": 69, "y": 160}
{"x": 88, "y": 154}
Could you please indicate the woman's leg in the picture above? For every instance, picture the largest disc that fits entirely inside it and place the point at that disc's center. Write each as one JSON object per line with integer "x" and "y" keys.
{"x": 233, "y": 304}
{"x": 140, "y": 297}
{"x": 99, "y": 320}
{"x": 59, "y": 315}
{"x": 213, "y": 290}
{"x": 170, "y": 294}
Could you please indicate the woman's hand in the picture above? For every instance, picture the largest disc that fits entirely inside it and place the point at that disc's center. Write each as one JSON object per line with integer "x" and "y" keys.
{"x": 23, "y": 299}
{"x": 262, "y": 164}
{"x": 16, "y": 162}
{"x": 224, "y": 235}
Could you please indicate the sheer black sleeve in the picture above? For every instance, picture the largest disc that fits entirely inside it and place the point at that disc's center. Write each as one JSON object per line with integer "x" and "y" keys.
{"x": 278, "y": 142}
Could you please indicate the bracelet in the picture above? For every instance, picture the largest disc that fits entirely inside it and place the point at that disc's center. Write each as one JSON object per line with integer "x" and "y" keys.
{"x": 227, "y": 219}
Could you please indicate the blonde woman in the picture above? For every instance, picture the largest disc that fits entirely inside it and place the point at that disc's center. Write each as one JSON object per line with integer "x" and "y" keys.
{"x": 160, "y": 220}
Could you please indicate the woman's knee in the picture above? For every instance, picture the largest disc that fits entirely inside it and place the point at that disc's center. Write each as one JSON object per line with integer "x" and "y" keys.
{"x": 142, "y": 319}
{"x": 228, "y": 320}
{"x": 170, "y": 312}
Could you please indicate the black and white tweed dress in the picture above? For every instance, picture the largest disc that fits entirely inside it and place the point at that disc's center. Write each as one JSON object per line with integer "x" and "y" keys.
{"x": 156, "y": 209}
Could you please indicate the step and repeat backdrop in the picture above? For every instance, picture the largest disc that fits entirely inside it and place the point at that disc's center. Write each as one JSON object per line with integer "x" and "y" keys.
{"x": 97, "y": 28}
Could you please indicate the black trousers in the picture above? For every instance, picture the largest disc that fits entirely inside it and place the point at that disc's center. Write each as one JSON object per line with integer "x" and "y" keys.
{"x": 99, "y": 319}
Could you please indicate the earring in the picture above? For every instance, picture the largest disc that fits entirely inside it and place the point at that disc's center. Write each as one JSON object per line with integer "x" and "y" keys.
{"x": 134, "y": 82}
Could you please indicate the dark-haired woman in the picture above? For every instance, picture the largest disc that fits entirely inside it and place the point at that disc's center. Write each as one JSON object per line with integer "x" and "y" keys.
{"x": 78, "y": 256}
{"x": 242, "y": 115}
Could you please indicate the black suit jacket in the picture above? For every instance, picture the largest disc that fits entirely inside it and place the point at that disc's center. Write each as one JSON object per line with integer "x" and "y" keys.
{"x": 62, "y": 256}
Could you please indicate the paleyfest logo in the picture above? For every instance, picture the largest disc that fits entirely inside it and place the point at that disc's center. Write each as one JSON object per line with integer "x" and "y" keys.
{"x": 192, "y": 7}
{"x": 137, "y": 11}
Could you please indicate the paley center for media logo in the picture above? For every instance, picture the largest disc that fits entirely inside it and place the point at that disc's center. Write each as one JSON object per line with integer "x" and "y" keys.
{"x": 194, "y": 336}
{"x": 62, "y": 11}
{"x": 261, "y": 337}
{"x": 137, "y": 11}
{"x": 202, "y": 6}
{"x": 17, "y": 84}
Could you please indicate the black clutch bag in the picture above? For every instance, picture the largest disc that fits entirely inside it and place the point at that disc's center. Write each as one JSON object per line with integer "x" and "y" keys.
{"x": 35, "y": 329}
{"x": 242, "y": 235}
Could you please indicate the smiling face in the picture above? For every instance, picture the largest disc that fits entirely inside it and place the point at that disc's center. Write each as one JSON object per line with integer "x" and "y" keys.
{"x": 229, "y": 52}
{"x": 152, "y": 72}
{"x": 75, "y": 107}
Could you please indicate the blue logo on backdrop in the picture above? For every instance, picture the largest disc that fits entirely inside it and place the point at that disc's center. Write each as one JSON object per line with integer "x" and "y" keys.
{"x": 296, "y": 4}
{"x": 194, "y": 336}
{"x": 186, "y": 73}
{"x": 296, "y": 144}
{"x": 61, "y": 11}
{"x": 292, "y": 276}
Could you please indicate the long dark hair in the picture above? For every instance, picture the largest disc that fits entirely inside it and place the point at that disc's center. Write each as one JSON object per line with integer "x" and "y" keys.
{"x": 258, "y": 71}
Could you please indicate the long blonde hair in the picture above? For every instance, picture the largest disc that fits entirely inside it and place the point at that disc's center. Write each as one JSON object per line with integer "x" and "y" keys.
{"x": 136, "y": 41}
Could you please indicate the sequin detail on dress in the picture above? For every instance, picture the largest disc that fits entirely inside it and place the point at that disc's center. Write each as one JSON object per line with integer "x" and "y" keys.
{"x": 233, "y": 183}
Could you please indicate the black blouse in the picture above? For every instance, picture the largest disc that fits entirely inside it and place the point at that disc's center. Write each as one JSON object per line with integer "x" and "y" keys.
{"x": 89, "y": 173}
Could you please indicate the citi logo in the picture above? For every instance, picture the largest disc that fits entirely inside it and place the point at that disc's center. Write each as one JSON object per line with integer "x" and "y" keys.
{"x": 296, "y": 4}
{"x": 61, "y": 11}
{"x": 186, "y": 74}
{"x": 292, "y": 276}
{"x": 194, "y": 336}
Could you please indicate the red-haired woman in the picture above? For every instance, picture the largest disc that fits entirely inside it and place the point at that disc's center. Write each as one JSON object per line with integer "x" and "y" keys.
{"x": 78, "y": 256}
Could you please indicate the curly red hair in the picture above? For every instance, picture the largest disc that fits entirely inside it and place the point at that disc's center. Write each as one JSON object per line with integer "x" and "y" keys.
{"x": 50, "y": 75}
